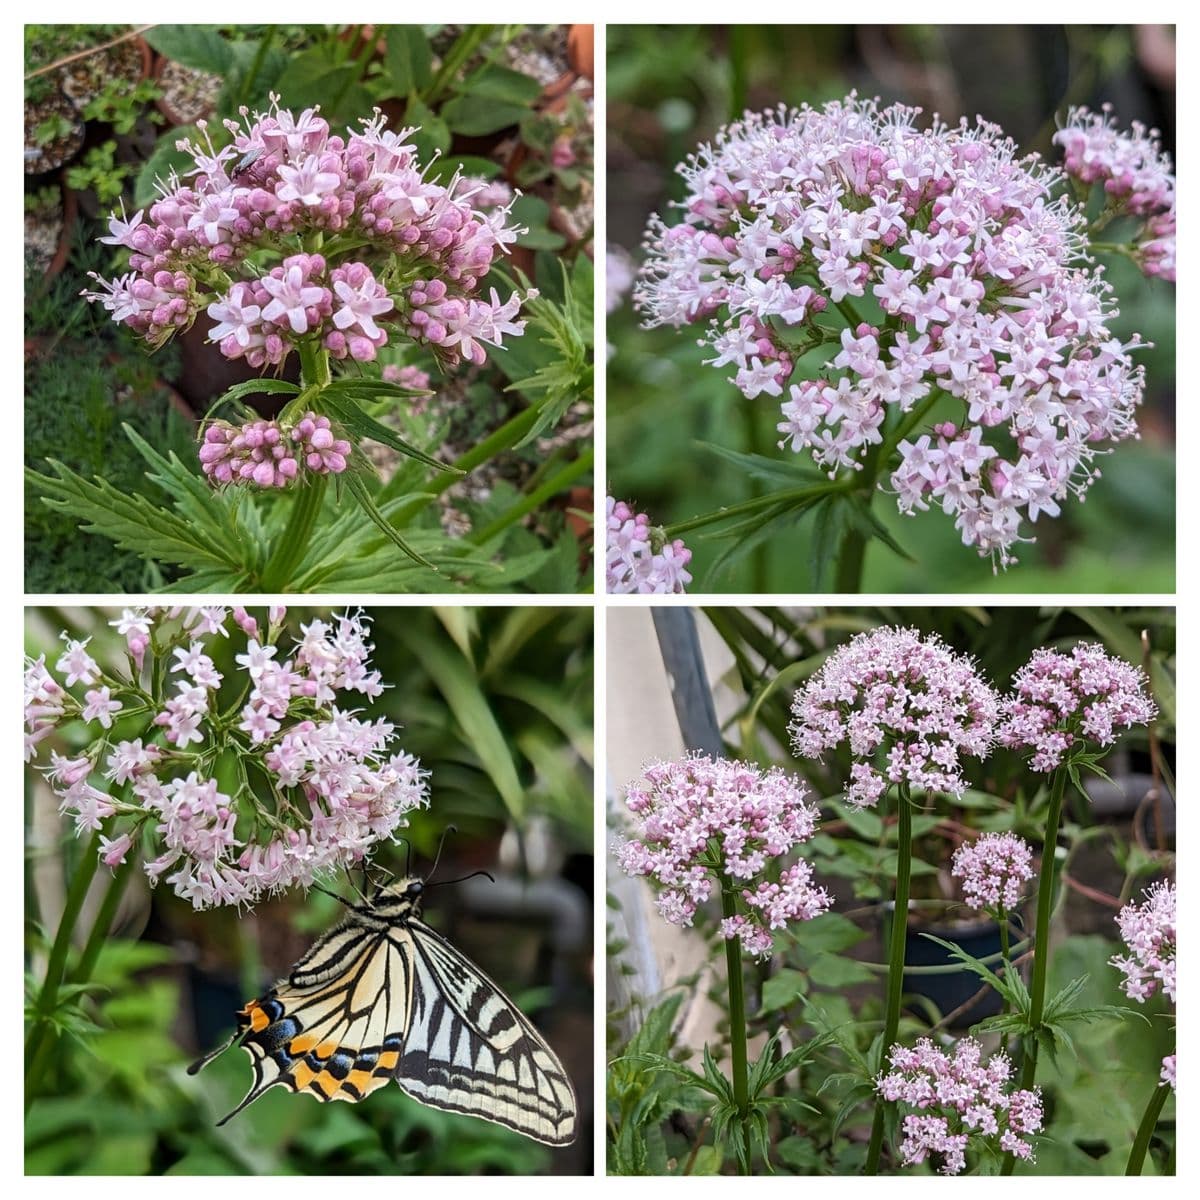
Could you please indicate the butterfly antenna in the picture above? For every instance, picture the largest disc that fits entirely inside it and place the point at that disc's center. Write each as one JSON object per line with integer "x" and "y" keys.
{"x": 333, "y": 895}
{"x": 462, "y": 879}
{"x": 445, "y": 833}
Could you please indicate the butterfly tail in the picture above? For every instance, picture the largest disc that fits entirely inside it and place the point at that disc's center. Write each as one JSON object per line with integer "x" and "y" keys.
{"x": 203, "y": 1062}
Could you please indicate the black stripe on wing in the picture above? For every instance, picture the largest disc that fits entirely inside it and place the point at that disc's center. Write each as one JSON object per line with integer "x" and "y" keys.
{"x": 469, "y": 1049}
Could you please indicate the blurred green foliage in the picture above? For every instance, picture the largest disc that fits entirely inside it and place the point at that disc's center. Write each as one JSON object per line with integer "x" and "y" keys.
{"x": 671, "y": 87}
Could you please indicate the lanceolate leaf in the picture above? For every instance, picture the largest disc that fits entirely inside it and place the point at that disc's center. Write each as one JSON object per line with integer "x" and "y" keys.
{"x": 358, "y": 423}
{"x": 358, "y": 488}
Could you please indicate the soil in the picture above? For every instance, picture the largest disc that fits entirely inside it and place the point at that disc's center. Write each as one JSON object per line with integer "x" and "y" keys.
{"x": 187, "y": 94}
{"x": 43, "y": 233}
{"x": 84, "y": 79}
{"x": 39, "y": 159}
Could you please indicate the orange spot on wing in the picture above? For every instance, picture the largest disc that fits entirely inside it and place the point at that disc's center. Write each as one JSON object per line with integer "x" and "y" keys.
{"x": 360, "y": 1080}
{"x": 387, "y": 1061}
{"x": 326, "y": 1084}
{"x": 303, "y": 1075}
{"x": 326, "y": 1050}
{"x": 302, "y": 1043}
{"x": 258, "y": 1019}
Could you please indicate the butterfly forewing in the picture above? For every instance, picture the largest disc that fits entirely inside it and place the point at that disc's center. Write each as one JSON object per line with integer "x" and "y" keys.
{"x": 383, "y": 996}
{"x": 470, "y": 1049}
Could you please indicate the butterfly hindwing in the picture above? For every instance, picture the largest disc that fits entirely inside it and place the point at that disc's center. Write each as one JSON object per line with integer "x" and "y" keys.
{"x": 335, "y": 1036}
{"x": 470, "y": 1049}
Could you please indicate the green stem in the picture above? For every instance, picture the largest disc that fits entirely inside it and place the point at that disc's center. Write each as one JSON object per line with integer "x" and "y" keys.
{"x": 307, "y": 499}
{"x": 895, "y": 987}
{"x": 1041, "y": 937}
{"x": 251, "y": 76}
{"x": 289, "y": 550}
{"x": 104, "y": 919}
{"x": 850, "y": 562}
{"x": 1041, "y": 943}
{"x": 1141, "y": 1141}
{"x": 457, "y": 57}
{"x": 555, "y": 484}
{"x": 1006, "y": 958}
{"x": 36, "y": 1043}
{"x": 737, "y": 1030}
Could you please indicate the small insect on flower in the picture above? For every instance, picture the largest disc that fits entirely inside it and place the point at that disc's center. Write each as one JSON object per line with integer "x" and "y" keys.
{"x": 247, "y": 161}
{"x": 383, "y": 996}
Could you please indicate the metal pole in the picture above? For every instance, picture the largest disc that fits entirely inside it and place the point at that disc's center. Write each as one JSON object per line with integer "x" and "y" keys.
{"x": 684, "y": 661}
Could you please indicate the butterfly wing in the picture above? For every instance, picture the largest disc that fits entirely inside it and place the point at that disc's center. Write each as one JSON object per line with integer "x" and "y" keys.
{"x": 469, "y": 1048}
{"x": 335, "y": 1027}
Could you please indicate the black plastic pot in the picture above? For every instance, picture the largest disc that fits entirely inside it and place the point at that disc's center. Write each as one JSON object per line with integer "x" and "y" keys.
{"x": 950, "y": 990}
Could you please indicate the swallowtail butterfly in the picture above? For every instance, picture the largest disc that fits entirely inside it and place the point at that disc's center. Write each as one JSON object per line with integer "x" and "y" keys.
{"x": 383, "y": 996}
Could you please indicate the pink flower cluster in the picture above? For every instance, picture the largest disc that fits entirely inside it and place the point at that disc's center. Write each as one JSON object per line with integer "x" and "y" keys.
{"x": 994, "y": 869}
{"x": 1060, "y": 700}
{"x": 638, "y": 558}
{"x": 908, "y": 707}
{"x": 705, "y": 819}
{"x": 279, "y": 179}
{"x": 958, "y": 1096}
{"x": 337, "y": 783}
{"x": 406, "y": 377}
{"x": 264, "y": 453}
{"x": 1148, "y": 931}
{"x": 1137, "y": 178}
{"x": 974, "y": 278}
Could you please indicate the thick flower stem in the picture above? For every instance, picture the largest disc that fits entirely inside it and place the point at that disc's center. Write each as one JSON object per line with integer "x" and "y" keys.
{"x": 850, "y": 563}
{"x": 1041, "y": 938}
{"x": 306, "y": 500}
{"x": 1141, "y": 1141}
{"x": 289, "y": 550}
{"x": 737, "y": 1030}
{"x": 1041, "y": 942}
{"x": 895, "y": 988}
{"x": 41, "y": 1035}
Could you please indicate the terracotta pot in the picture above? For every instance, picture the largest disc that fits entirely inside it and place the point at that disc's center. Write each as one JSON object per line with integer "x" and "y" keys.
{"x": 581, "y": 50}
{"x": 70, "y": 211}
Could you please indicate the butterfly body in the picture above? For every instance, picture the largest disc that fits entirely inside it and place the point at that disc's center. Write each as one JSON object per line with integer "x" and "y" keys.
{"x": 383, "y": 996}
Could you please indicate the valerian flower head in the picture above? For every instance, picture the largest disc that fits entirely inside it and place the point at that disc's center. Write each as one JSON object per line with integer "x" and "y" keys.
{"x": 908, "y": 707}
{"x": 1136, "y": 176}
{"x": 994, "y": 869}
{"x": 1148, "y": 931}
{"x": 639, "y": 558}
{"x": 400, "y": 253}
{"x": 958, "y": 1097}
{"x": 318, "y": 785}
{"x": 703, "y": 824}
{"x": 978, "y": 280}
{"x": 1061, "y": 701}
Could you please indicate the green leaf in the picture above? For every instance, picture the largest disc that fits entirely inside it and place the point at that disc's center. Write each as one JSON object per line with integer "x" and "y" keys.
{"x": 834, "y": 971}
{"x": 501, "y": 83}
{"x": 409, "y": 59}
{"x": 783, "y": 988}
{"x": 477, "y": 116}
{"x": 366, "y": 503}
{"x": 457, "y": 682}
{"x": 433, "y": 136}
{"x": 200, "y": 47}
{"x": 768, "y": 470}
{"x": 363, "y": 426}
